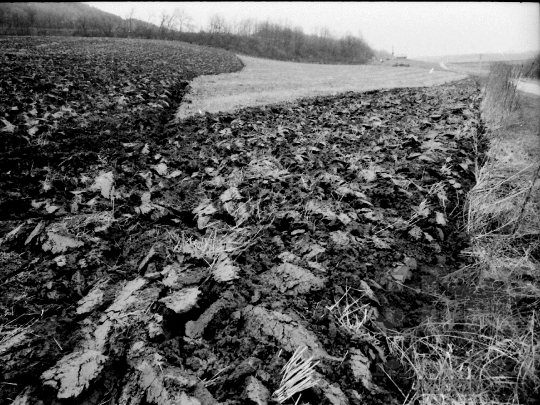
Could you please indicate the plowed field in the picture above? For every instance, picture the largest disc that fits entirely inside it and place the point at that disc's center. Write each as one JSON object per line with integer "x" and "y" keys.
{"x": 145, "y": 260}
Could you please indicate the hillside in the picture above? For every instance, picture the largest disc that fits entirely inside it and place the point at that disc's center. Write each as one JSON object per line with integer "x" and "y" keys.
{"x": 262, "y": 39}
{"x": 49, "y": 18}
{"x": 43, "y": 13}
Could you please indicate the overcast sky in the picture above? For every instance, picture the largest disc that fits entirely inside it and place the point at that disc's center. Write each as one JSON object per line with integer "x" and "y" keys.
{"x": 415, "y": 29}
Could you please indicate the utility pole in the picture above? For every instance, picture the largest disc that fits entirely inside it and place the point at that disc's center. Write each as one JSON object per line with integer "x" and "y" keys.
{"x": 479, "y": 63}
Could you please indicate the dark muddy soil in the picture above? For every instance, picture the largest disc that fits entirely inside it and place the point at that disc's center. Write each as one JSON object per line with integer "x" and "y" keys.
{"x": 147, "y": 261}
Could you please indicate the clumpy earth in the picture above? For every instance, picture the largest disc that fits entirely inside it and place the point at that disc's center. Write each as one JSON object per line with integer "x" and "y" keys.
{"x": 148, "y": 261}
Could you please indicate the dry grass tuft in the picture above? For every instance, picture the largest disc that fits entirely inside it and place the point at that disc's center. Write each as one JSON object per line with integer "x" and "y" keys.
{"x": 503, "y": 217}
{"x": 485, "y": 346}
{"x": 489, "y": 355}
{"x": 500, "y": 93}
{"x": 353, "y": 316}
{"x": 211, "y": 246}
{"x": 298, "y": 375}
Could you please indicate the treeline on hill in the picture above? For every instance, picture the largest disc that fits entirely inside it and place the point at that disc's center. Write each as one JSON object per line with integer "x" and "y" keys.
{"x": 263, "y": 39}
{"x": 278, "y": 41}
{"x": 76, "y": 19}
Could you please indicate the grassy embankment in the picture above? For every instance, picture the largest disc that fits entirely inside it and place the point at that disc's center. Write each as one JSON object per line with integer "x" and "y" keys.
{"x": 485, "y": 347}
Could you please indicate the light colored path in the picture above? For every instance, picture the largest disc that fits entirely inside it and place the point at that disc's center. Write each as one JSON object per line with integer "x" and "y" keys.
{"x": 264, "y": 81}
{"x": 529, "y": 87}
{"x": 525, "y": 86}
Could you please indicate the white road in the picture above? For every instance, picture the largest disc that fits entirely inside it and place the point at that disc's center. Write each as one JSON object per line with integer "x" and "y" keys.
{"x": 528, "y": 87}
{"x": 443, "y": 66}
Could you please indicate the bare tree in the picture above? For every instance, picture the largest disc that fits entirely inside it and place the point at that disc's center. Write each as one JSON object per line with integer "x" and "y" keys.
{"x": 129, "y": 19}
{"x": 246, "y": 27}
{"x": 147, "y": 29}
{"x": 299, "y": 40}
{"x": 165, "y": 23}
{"x": 107, "y": 26}
{"x": 181, "y": 19}
{"x": 325, "y": 33}
{"x": 31, "y": 13}
{"x": 189, "y": 27}
{"x": 326, "y": 39}
{"x": 83, "y": 24}
{"x": 235, "y": 27}
{"x": 217, "y": 25}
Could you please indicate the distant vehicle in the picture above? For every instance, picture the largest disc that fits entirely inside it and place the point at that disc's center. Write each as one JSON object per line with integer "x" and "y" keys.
{"x": 398, "y": 56}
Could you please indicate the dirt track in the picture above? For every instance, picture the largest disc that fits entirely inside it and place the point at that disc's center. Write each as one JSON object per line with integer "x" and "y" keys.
{"x": 263, "y": 82}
